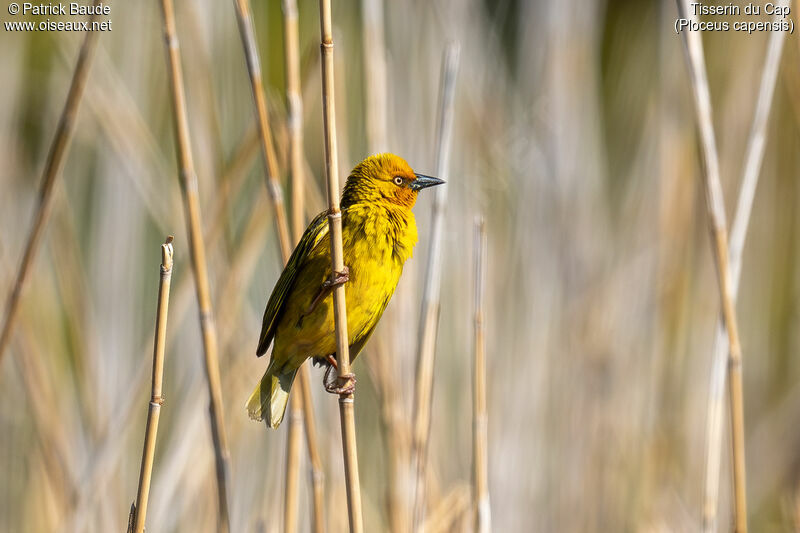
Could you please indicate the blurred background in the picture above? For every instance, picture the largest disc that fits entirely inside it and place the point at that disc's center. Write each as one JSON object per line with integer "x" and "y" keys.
{"x": 574, "y": 136}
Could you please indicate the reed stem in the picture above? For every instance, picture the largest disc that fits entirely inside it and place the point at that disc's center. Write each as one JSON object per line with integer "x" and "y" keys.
{"x": 754, "y": 155}
{"x": 346, "y": 401}
{"x": 245, "y": 22}
{"x": 715, "y": 208}
{"x": 429, "y": 316}
{"x": 480, "y": 437}
{"x": 298, "y": 413}
{"x": 301, "y": 403}
{"x": 191, "y": 205}
{"x": 294, "y": 126}
{"x": 374, "y": 46}
{"x": 52, "y": 168}
{"x": 139, "y": 510}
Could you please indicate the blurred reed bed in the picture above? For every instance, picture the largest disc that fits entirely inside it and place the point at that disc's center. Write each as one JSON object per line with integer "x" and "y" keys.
{"x": 574, "y": 134}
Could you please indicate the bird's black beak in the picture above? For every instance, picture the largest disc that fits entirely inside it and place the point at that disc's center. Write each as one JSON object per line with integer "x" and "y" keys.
{"x": 423, "y": 182}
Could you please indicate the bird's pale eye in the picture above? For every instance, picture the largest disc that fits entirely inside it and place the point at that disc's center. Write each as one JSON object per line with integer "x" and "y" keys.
{"x": 398, "y": 180}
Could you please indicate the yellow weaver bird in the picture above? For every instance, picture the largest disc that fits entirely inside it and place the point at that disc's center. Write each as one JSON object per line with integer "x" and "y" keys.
{"x": 378, "y": 235}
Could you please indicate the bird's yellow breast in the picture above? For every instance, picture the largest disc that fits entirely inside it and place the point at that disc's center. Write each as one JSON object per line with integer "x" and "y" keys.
{"x": 376, "y": 241}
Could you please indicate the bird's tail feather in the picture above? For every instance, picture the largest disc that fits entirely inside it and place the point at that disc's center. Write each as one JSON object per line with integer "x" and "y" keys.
{"x": 270, "y": 396}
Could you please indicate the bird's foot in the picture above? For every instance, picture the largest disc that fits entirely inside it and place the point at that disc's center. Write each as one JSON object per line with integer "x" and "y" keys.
{"x": 339, "y": 278}
{"x": 344, "y": 384}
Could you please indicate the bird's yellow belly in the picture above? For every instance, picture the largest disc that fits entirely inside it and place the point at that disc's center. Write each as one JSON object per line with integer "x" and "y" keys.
{"x": 373, "y": 277}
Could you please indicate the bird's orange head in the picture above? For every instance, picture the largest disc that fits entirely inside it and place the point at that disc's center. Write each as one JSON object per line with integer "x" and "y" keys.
{"x": 385, "y": 179}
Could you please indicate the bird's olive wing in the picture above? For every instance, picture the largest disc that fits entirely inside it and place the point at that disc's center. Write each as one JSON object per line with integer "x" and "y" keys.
{"x": 315, "y": 231}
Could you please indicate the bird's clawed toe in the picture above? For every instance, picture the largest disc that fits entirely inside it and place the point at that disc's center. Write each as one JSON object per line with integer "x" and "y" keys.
{"x": 344, "y": 384}
{"x": 339, "y": 278}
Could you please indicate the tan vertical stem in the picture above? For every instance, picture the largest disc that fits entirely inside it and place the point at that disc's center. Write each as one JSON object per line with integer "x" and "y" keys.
{"x": 191, "y": 205}
{"x": 374, "y": 45}
{"x": 245, "y": 21}
{"x": 294, "y": 119}
{"x": 317, "y": 473}
{"x": 148, "y": 454}
{"x": 715, "y": 207}
{"x": 429, "y": 317}
{"x": 291, "y": 480}
{"x": 750, "y": 174}
{"x": 294, "y": 114}
{"x": 52, "y": 168}
{"x": 302, "y": 411}
{"x": 392, "y": 415}
{"x": 480, "y": 437}
{"x": 346, "y": 408}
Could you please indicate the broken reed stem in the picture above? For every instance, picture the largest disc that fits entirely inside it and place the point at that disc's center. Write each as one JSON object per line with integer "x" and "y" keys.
{"x": 139, "y": 509}
{"x": 754, "y": 155}
{"x": 191, "y": 205}
{"x": 52, "y": 168}
{"x": 302, "y": 411}
{"x": 480, "y": 437}
{"x": 429, "y": 316}
{"x": 346, "y": 407}
{"x": 715, "y": 207}
{"x": 245, "y": 22}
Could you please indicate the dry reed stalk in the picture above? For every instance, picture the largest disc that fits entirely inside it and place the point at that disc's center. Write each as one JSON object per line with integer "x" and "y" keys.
{"x": 302, "y": 408}
{"x": 139, "y": 509}
{"x": 292, "y": 474}
{"x": 715, "y": 207}
{"x": 754, "y": 155}
{"x": 52, "y": 168}
{"x": 396, "y": 436}
{"x": 346, "y": 407}
{"x": 393, "y": 424}
{"x": 429, "y": 316}
{"x": 198, "y": 255}
{"x": 315, "y": 459}
{"x": 375, "y": 57}
{"x": 245, "y": 22}
{"x": 247, "y": 33}
{"x": 294, "y": 114}
{"x": 480, "y": 437}
{"x": 294, "y": 120}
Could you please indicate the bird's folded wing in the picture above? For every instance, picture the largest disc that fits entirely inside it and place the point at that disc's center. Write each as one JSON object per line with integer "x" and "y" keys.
{"x": 315, "y": 231}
